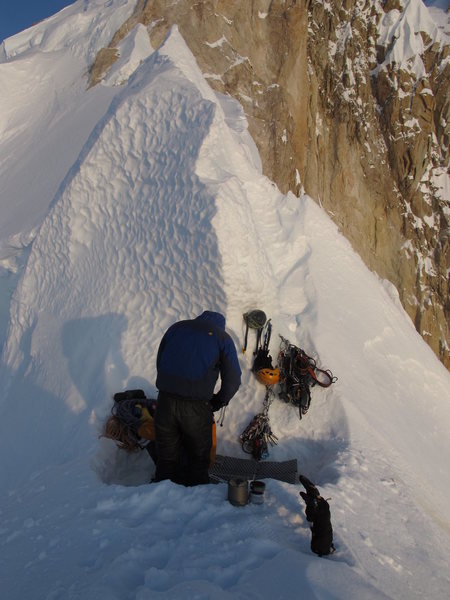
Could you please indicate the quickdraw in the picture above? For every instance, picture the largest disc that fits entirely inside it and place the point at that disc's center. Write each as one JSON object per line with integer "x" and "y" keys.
{"x": 257, "y": 436}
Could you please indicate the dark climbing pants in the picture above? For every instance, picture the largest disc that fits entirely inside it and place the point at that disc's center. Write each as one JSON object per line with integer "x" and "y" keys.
{"x": 183, "y": 428}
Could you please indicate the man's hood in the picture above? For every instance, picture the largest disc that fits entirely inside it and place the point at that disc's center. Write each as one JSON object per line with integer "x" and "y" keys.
{"x": 212, "y": 317}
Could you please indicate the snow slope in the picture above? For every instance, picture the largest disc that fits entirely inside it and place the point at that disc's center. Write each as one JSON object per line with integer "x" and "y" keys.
{"x": 157, "y": 211}
{"x": 45, "y": 115}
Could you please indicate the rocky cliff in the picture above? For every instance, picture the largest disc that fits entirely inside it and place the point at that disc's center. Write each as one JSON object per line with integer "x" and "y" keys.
{"x": 349, "y": 101}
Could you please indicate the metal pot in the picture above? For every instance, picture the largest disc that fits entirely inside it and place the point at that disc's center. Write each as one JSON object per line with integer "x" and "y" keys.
{"x": 238, "y": 492}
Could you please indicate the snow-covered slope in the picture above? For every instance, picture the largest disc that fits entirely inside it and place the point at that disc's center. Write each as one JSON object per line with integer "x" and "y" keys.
{"x": 45, "y": 116}
{"x": 158, "y": 211}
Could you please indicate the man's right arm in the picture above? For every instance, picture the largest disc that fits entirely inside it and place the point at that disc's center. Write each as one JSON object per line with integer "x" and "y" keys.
{"x": 230, "y": 374}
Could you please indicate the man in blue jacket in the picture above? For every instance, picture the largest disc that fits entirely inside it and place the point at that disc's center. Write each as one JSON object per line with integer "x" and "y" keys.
{"x": 191, "y": 356}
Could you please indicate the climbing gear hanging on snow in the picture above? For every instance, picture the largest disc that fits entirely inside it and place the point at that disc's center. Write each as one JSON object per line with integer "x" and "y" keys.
{"x": 299, "y": 373}
{"x": 257, "y": 436}
{"x": 255, "y": 319}
{"x": 294, "y": 375}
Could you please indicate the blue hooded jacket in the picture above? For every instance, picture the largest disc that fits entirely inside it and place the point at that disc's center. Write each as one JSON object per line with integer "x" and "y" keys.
{"x": 191, "y": 356}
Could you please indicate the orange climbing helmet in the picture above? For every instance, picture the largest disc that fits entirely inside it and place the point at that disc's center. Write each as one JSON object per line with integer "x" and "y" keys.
{"x": 268, "y": 376}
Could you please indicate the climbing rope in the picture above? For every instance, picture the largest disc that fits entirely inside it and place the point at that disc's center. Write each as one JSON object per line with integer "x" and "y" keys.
{"x": 298, "y": 373}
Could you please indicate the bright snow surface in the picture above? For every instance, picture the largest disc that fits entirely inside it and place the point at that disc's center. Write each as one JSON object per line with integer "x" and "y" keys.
{"x": 133, "y": 206}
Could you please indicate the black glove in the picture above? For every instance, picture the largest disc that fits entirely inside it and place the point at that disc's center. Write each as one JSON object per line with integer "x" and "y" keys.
{"x": 311, "y": 497}
{"x": 318, "y": 513}
{"x": 216, "y": 404}
{"x": 309, "y": 487}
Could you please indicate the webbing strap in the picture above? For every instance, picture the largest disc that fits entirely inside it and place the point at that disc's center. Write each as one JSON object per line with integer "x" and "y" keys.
{"x": 244, "y": 348}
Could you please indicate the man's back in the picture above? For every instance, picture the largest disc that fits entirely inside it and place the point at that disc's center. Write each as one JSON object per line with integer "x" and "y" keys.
{"x": 191, "y": 356}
